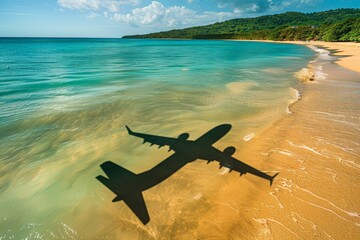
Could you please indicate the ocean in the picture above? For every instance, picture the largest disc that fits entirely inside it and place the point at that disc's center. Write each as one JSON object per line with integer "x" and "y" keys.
{"x": 64, "y": 104}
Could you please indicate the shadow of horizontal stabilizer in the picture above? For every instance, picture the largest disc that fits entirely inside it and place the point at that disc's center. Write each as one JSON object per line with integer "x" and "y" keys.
{"x": 125, "y": 185}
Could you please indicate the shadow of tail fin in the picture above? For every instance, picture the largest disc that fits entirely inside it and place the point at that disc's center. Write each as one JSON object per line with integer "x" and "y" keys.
{"x": 124, "y": 184}
{"x": 272, "y": 178}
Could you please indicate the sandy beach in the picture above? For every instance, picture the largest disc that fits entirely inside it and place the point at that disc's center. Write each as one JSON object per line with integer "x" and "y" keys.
{"x": 349, "y": 52}
{"x": 316, "y": 151}
{"x": 318, "y": 148}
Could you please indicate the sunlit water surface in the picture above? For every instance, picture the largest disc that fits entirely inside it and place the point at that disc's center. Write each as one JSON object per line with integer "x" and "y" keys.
{"x": 64, "y": 104}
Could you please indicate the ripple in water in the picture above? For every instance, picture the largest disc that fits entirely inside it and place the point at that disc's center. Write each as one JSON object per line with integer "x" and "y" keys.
{"x": 64, "y": 104}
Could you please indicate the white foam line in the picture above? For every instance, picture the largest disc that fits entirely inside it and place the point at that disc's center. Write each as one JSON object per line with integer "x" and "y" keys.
{"x": 283, "y": 151}
{"x": 288, "y": 189}
{"x": 273, "y": 220}
{"x": 326, "y": 209}
{"x": 273, "y": 194}
{"x": 314, "y": 226}
{"x": 333, "y": 175}
{"x": 224, "y": 171}
{"x": 289, "y": 153}
{"x": 228, "y": 205}
{"x": 347, "y": 150}
{"x": 340, "y": 147}
{"x": 303, "y": 169}
{"x": 267, "y": 231}
{"x": 330, "y": 114}
{"x": 297, "y": 221}
{"x": 305, "y": 147}
{"x": 352, "y": 214}
{"x": 285, "y": 185}
{"x": 348, "y": 163}
{"x": 319, "y": 50}
{"x": 347, "y": 123}
{"x": 151, "y": 233}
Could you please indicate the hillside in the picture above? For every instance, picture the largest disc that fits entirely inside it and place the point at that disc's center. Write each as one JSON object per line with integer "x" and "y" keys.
{"x": 333, "y": 25}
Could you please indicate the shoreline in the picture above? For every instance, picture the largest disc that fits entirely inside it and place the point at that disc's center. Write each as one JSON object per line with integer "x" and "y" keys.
{"x": 348, "y": 52}
{"x": 315, "y": 149}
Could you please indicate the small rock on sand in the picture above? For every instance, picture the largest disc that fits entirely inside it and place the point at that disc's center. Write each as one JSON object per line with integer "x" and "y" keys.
{"x": 305, "y": 75}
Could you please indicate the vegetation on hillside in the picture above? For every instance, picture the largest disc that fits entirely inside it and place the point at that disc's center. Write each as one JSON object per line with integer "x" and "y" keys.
{"x": 333, "y": 25}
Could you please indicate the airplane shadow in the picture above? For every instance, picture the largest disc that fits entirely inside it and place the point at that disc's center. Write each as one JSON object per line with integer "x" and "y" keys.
{"x": 129, "y": 186}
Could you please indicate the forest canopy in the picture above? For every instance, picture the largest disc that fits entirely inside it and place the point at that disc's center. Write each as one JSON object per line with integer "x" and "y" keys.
{"x": 333, "y": 25}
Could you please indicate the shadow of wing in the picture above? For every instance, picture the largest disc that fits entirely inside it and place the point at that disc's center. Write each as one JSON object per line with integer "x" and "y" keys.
{"x": 241, "y": 167}
{"x": 154, "y": 139}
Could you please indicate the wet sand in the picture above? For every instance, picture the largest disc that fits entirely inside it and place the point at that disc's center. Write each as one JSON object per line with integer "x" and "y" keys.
{"x": 316, "y": 150}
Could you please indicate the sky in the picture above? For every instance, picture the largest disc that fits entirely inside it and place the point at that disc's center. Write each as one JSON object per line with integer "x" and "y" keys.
{"x": 116, "y": 18}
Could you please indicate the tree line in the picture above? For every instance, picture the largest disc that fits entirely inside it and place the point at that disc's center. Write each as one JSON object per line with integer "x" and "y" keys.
{"x": 333, "y": 25}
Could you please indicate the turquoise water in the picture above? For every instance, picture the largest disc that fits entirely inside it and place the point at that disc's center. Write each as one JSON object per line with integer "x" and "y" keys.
{"x": 64, "y": 104}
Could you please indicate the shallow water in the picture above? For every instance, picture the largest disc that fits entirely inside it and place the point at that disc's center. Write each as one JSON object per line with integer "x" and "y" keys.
{"x": 64, "y": 104}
